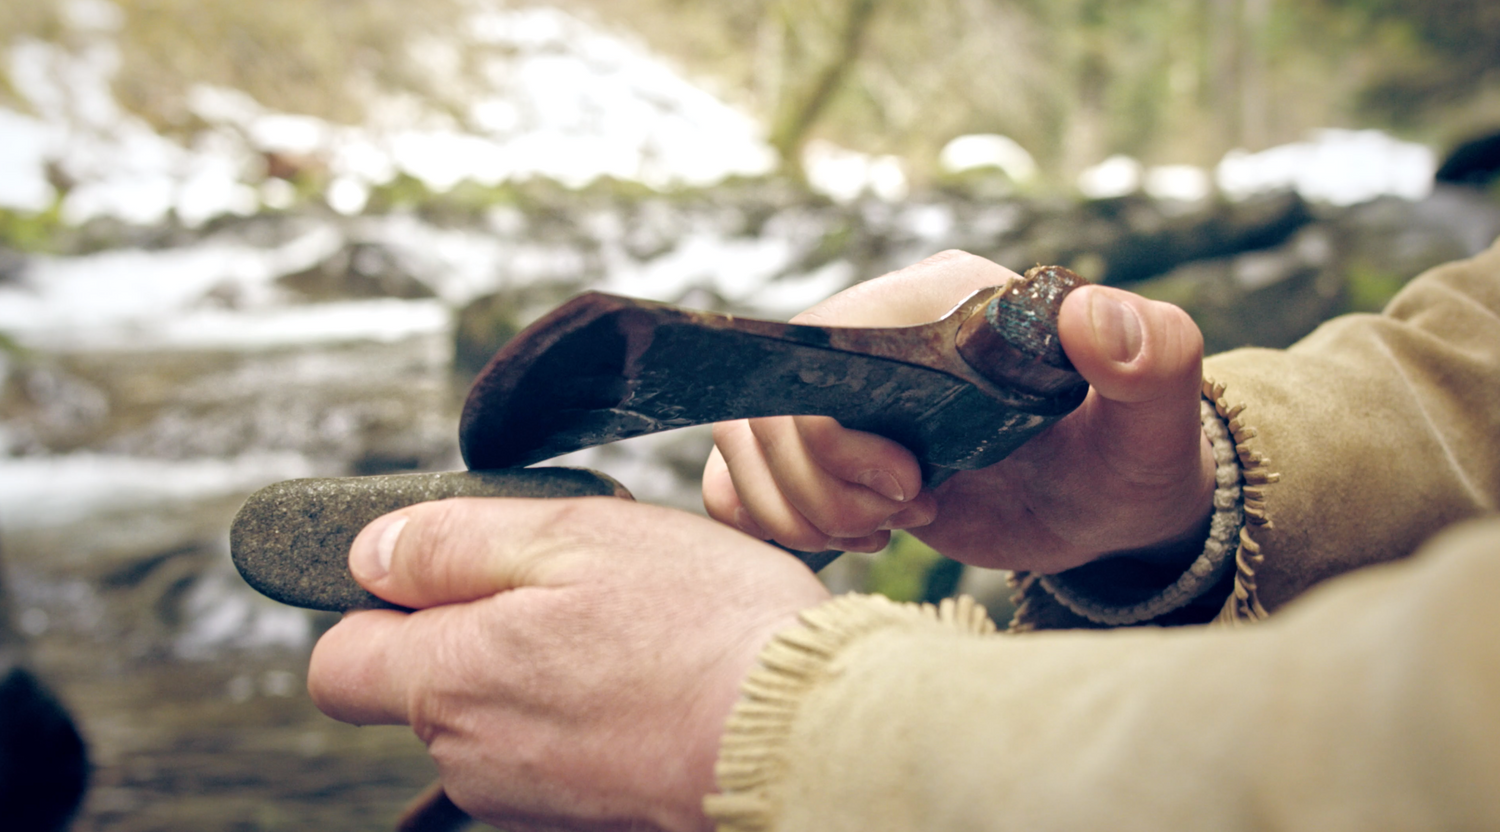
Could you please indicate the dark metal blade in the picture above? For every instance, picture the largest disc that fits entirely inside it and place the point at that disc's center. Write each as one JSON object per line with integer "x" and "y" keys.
{"x": 602, "y": 368}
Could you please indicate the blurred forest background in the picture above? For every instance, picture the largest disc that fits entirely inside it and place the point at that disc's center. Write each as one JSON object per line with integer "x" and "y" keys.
{"x": 1073, "y": 81}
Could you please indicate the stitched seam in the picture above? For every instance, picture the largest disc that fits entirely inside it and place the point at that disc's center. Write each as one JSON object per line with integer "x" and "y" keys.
{"x": 1244, "y": 604}
{"x": 752, "y": 759}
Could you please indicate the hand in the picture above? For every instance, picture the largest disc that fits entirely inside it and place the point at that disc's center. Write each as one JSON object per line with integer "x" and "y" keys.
{"x": 1130, "y": 469}
{"x": 570, "y": 663}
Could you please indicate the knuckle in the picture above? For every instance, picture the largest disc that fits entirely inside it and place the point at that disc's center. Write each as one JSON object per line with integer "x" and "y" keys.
{"x": 797, "y": 533}
{"x": 585, "y": 523}
{"x": 952, "y": 256}
{"x": 821, "y": 435}
{"x": 573, "y": 518}
{"x": 840, "y": 520}
{"x": 771, "y": 431}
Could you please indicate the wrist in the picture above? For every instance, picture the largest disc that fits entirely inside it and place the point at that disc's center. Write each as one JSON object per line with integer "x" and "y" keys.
{"x": 1138, "y": 586}
{"x": 723, "y": 692}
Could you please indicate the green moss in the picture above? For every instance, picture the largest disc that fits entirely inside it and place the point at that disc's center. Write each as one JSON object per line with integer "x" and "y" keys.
{"x": 834, "y": 244}
{"x": 901, "y": 570}
{"x": 1369, "y": 289}
{"x": 402, "y": 192}
{"x": 1178, "y": 290}
{"x": 24, "y": 231}
{"x": 10, "y": 346}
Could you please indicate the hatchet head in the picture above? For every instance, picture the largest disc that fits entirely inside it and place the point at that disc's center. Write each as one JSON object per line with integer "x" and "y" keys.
{"x": 961, "y": 392}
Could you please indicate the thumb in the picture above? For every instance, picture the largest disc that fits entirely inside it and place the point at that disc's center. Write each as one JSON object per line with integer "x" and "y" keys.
{"x": 446, "y": 552}
{"x": 1144, "y": 361}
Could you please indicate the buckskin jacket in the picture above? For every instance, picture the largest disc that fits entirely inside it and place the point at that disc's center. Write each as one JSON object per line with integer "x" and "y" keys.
{"x": 1350, "y": 682}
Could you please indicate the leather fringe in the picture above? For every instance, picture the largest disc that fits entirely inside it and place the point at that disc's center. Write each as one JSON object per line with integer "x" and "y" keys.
{"x": 1244, "y": 604}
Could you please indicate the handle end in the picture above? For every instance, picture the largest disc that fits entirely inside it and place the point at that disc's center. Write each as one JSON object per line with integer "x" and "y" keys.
{"x": 1012, "y": 340}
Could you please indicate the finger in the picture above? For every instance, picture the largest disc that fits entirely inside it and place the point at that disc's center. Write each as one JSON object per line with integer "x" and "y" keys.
{"x": 856, "y": 457}
{"x": 1144, "y": 360}
{"x": 722, "y": 502}
{"x": 349, "y": 676}
{"x": 838, "y": 508}
{"x": 447, "y": 552}
{"x": 917, "y": 294}
{"x": 869, "y": 544}
{"x": 758, "y": 493}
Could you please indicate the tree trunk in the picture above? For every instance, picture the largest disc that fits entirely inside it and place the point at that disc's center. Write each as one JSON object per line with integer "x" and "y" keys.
{"x": 800, "y": 114}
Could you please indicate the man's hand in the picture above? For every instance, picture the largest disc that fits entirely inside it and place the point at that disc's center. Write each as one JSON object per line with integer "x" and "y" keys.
{"x": 571, "y": 663}
{"x": 1130, "y": 469}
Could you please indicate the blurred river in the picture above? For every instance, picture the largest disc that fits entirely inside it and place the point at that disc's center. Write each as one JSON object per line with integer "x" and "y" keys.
{"x": 188, "y": 687}
{"x": 159, "y": 383}
{"x": 158, "y": 387}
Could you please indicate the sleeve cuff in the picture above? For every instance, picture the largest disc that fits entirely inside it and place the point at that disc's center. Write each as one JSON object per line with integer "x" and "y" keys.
{"x": 1205, "y": 573}
{"x": 752, "y": 762}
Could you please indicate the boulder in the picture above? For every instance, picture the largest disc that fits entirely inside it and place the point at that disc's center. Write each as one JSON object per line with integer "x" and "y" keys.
{"x": 43, "y": 762}
{"x": 358, "y": 271}
{"x": 1129, "y": 239}
{"x": 1475, "y": 162}
{"x": 482, "y": 327}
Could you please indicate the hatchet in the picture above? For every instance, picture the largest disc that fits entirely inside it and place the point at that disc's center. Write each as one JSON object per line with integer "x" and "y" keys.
{"x": 961, "y": 393}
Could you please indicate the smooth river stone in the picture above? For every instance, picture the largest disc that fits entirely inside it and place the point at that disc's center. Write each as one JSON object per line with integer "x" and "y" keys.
{"x": 291, "y": 540}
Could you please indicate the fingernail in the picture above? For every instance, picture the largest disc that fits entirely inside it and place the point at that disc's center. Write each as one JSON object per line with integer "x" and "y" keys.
{"x": 908, "y": 518}
{"x": 371, "y": 558}
{"x": 883, "y": 483}
{"x": 1117, "y": 328}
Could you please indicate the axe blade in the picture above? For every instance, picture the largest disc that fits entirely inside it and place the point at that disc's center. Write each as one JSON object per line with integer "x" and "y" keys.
{"x": 602, "y": 368}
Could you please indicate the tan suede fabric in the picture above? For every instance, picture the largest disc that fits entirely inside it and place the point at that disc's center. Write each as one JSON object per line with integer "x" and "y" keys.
{"x": 1371, "y": 703}
{"x": 1384, "y": 429}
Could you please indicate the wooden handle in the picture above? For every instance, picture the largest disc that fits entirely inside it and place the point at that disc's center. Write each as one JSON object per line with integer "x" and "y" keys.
{"x": 1012, "y": 340}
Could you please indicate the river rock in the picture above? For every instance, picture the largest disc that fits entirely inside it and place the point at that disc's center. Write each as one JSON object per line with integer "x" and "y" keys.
{"x": 291, "y": 540}
{"x": 1132, "y": 238}
{"x": 1266, "y": 298}
{"x": 1475, "y": 162}
{"x": 369, "y": 406}
{"x": 357, "y": 271}
{"x": 43, "y": 761}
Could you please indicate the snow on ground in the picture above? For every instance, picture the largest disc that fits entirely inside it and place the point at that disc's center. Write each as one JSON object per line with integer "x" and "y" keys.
{"x": 138, "y": 299}
{"x": 557, "y": 99}
{"x": 42, "y": 491}
{"x": 553, "y": 97}
{"x": 1334, "y": 167}
{"x": 1339, "y": 167}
